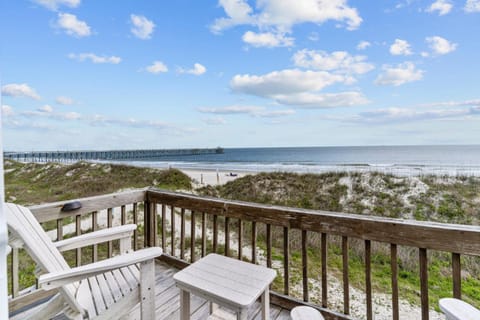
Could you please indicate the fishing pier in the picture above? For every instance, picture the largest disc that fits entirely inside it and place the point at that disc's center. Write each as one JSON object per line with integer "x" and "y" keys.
{"x": 72, "y": 156}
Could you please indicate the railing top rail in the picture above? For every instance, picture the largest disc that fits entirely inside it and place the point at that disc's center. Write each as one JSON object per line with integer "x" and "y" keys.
{"x": 52, "y": 211}
{"x": 464, "y": 239}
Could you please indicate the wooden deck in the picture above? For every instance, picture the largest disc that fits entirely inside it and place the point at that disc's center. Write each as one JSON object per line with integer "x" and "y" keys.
{"x": 168, "y": 302}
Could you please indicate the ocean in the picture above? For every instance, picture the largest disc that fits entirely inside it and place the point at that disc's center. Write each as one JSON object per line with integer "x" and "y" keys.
{"x": 398, "y": 160}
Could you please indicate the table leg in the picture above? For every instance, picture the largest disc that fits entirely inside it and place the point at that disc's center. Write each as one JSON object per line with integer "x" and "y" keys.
{"x": 184, "y": 305}
{"x": 242, "y": 314}
{"x": 266, "y": 304}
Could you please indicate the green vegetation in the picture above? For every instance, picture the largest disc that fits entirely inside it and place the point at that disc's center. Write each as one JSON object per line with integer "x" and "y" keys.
{"x": 32, "y": 183}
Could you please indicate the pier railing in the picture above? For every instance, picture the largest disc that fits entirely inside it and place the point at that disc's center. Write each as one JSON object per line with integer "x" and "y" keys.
{"x": 188, "y": 227}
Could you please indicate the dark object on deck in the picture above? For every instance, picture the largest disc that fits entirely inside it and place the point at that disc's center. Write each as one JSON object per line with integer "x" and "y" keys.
{"x": 71, "y": 206}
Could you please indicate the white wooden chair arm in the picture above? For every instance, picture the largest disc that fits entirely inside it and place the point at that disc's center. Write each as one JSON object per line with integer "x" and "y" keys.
{"x": 57, "y": 279}
{"x": 104, "y": 235}
{"x": 456, "y": 309}
{"x": 8, "y": 250}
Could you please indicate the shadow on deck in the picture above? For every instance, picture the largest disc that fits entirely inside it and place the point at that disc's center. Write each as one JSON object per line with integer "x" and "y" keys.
{"x": 168, "y": 302}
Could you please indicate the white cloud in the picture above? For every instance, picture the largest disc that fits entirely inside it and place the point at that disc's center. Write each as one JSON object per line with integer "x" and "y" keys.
{"x": 157, "y": 67}
{"x": 72, "y": 26}
{"x": 340, "y": 61}
{"x": 54, "y": 4}
{"x": 94, "y": 58}
{"x": 440, "y": 46}
{"x": 142, "y": 27}
{"x": 400, "y": 47}
{"x": 362, "y": 45}
{"x": 323, "y": 100}
{"x": 197, "y": 70}
{"x": 253, "y": 111}
{"x": 267, "y": 39}
{"x": 7, "y": 111}
{"x": 472, "y": 6}
{"x": 474, "y": 103}
{"x": 216, "y": 121}
{"x": 279, "y": 16}
{"x": 19, "y": 90}
{"x": 442, "y": 6}
{"x": 46, "y": 108}
{"x": 71, "y": 116}
{"x": 66, "y": 101}
{"x": 287, "y": 81}
{"x": 401, "y": 74}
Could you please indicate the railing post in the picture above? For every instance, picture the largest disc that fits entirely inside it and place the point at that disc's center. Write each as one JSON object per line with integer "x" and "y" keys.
{"x": 149, "y": 222}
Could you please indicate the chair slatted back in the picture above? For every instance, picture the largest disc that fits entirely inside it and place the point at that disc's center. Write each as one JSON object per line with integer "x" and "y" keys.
{"x": 23, "y": 225}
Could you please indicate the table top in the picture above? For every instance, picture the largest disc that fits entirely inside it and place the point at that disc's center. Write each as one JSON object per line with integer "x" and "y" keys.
{"x": 236, "y": 282}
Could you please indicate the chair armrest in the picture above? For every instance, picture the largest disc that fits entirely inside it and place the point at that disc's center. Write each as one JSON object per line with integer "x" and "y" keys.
{"x": 57, "y": 279}
{"x": 104, "y": 235}
{"x": 8, "y": 250}
{"x": 456, "y": 309}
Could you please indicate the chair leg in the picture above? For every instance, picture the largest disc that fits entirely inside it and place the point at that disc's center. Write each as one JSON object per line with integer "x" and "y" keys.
{"x": 147, "y": 290}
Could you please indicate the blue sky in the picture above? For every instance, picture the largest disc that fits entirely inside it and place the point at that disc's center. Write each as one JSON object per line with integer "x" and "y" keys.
{"x": 84, "y": 74}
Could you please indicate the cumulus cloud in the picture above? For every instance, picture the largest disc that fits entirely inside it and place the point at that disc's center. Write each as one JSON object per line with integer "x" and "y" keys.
{"x": 72, "y": 26}
{"x": 157, "y": 67}
{"x": 400, "y": 74}
{"x": 46, "y": 108}
{"x": 340, "y": 61}
{"x": 19, "y": 90}
{"x": 253, "y": 111}
{"x": 284, "y": 82}
{"x": 55, "y": 4}
{"x": 66, "y": 101}
{"x": 95, "y": 58}
{"x": 472, "y": 6}
{"x": 71, "y": 116}
{"x": 7, "y": 111}
{"x": 142, "y": 28}
{"x": 267, "y": 39}
{"x": 197, "y": 70}
{"x": 362, "y": 45}
{"x": 400, "y": 47}
{"x": 323, "y": 100}
{"x": 279, "y": 16}
{"x": 216, "y": 121}
{"x": 441, "y": 6}
{"x": 440, "y": 46}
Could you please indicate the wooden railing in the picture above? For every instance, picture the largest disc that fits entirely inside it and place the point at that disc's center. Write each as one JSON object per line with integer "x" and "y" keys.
{"x": 188, "y": 227}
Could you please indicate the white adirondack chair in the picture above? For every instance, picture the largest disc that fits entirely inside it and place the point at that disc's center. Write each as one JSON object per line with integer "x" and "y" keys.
{"x": 456, "y": 309}
{"x": 107, "y": 289}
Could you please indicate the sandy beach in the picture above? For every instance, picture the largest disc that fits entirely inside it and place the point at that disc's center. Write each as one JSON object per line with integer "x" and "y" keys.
{"x": 212, "y": 177}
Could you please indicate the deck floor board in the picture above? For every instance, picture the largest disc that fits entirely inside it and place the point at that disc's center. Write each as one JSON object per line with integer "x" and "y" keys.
{"x": 168, "y": 302}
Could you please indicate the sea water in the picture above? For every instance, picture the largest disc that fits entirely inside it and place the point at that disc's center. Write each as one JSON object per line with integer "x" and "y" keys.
{"x": 452, "y": 160}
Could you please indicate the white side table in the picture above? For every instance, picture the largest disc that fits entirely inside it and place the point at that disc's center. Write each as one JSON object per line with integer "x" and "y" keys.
{"x": 227, "y": 282}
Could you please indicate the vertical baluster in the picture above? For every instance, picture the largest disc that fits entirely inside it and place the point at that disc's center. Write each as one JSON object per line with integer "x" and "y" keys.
{"x": 109, "y": 225}
{"x": 14, "y": 272}
{"x": 240, "y": 239}
{"x": 215, "y": 233}
{"x": 227, "y": 236}
{"x": 123, "y": 215}
{"x": 254, "y": 242}
{"x": 172, "y": 231}
{"x": 304, "y": 266}
{"x": 204, "y": 234}
{"x": 422, "y": 252}
{"x": 456, "y": 275}
{"x": 135, "y": 232}
{"x": 269, "y": 245}
{"x": 192, "y": 237}
{"x": 146, "y": 223}
{"x": 164, "y": 228}
{"x": 59, "y": 229}
{"x": 154, "y": 226}
{"x": 78, "y": 231}
{"x": 286, "y": 261}
{"x": 394, "y": 269}
{"x": 324, "y": 270}
{"x": 94, "y": 228}
{"x": 182, "y": 234}
{"x": 368, "y": 278}
{"x": 346, "y": 286}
